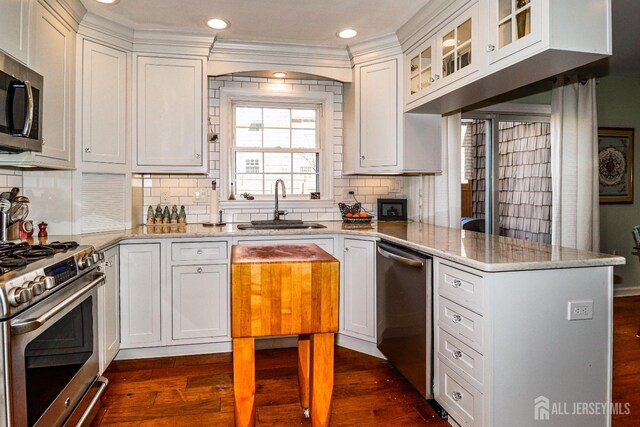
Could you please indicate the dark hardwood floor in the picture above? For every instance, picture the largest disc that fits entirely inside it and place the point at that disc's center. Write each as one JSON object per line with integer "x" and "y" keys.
{"x": 197, "y": 390}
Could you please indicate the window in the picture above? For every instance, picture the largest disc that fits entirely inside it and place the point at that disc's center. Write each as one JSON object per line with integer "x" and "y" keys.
{"x": 271, "y": 134}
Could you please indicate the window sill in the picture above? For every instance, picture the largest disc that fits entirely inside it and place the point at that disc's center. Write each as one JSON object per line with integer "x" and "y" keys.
{"x": 282, "y": 204}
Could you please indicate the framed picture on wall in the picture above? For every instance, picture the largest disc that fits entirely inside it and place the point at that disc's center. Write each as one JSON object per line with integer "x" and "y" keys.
{"x": 615, "y": 164}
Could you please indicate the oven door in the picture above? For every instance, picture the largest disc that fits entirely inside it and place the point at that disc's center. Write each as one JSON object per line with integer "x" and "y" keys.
{"x": 54, "y": 354}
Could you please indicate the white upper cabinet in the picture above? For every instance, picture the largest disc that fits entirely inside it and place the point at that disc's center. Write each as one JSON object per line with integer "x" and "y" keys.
{"x": 53, "y": 56}
{"x": 14, "y": 28}
{"x": 104, "y": 104}
{"x": 458, "y": 53}
{"x": 513, "y": 25}
{"x": 171, "y": 108}
{"x": 379, "y": 113}
{"x": 379, "y": 137}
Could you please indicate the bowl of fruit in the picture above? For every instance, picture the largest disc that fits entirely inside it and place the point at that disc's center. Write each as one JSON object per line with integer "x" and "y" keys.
{"x": 353, "y": 214}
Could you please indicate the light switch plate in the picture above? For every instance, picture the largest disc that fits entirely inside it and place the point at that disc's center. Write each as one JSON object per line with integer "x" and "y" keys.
{"x": 580, "y": 310}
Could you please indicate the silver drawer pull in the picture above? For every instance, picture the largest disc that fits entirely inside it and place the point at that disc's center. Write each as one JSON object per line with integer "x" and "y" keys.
{"x": 456, "y": 318}
{"x": 456, "y": 354}
{"x": 199, "y": 270}
{"x": 456, "y": 283}
{"x": 108, "y": 263}
{"x": 456, "y": 395}
{"x": 199, "y": 252}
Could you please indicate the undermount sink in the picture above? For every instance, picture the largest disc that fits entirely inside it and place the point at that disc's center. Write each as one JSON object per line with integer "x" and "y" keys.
{"x": 279, "y": 225}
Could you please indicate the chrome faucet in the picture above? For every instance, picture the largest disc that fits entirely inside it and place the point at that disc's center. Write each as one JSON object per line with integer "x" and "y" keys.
{"x": 277, "y": 212}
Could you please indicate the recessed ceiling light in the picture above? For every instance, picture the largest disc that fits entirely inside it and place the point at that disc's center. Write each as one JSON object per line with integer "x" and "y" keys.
{"x": 217, "y": 23}
{"x": 279, "y": 75}
{"x": 347, "y": 33}
{"x": 108, "y": 1}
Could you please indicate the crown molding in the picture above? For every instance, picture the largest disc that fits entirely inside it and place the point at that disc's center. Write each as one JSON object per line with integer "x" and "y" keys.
{"x": 229, "y": 56}
{"x": 70, "y": 11}
{"x": 375, "y": 48}
{"x": 165, "y": 42}
{"x": 427, "y": 20}
{"x": 106, "y": 31}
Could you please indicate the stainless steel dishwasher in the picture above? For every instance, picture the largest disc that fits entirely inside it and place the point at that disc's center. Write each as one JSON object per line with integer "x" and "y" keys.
{"x": 404, "y": 313}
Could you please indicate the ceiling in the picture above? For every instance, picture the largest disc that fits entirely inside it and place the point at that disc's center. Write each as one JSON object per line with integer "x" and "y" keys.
{"x": 313, "y": 22}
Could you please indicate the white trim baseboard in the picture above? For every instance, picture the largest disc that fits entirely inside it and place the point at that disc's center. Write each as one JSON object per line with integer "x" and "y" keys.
{"x": 629, "y": 291}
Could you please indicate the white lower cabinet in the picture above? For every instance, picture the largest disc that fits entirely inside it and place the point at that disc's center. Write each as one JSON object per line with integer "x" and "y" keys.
{"x": 140, "y": 295}
{"x": 358, "y": 290}
{"x": 109, "y": 309}
{"x": 199, "y": 301}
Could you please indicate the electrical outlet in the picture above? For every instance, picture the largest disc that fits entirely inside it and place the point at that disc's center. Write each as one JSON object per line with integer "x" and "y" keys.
{"x": 394, "y": 186}
{"x": 164, "y": 197}
{"x": 580, "y": 310}
{"x": 347, "y": 193}
{"x": 199, "y": 195}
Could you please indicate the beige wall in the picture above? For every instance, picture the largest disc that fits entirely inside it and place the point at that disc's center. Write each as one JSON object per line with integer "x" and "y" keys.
{"x": 618, "y": 100}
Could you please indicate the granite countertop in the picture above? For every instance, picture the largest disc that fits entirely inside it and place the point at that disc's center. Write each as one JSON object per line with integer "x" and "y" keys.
{"x": 481, "y": 251}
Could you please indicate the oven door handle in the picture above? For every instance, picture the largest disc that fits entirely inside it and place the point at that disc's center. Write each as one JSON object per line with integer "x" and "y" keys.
{"x": 33, "y": 324}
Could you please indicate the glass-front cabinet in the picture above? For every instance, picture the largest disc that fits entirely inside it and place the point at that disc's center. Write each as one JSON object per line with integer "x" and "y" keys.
{"x": 444, "y": 57}
{"x": 513, "y": 26}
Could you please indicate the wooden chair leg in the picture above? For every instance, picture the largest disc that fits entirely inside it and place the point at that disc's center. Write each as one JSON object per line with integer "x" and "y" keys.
{"x": 244, "y": 382}
{"x": 321, "y": 378}
{"x": 304, "y": 361}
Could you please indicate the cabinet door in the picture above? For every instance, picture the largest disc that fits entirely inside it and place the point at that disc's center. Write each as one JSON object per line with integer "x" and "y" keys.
{"x": 359, "y": 289}
{"x": 104, "y": 104}
{"x": 379, "y": 114}
{"x": 514, "y": 25}
{"x": 457, "y": 47}
{"x": 170, "y": 113}
{"x": 140, "y": 295}
{"x": 421, "y": 71}
{"x": 53, "y": 56}
{"x": 14, "y": 28}
{"x": 200, "y": 299}
{"x": 109, "y": 296}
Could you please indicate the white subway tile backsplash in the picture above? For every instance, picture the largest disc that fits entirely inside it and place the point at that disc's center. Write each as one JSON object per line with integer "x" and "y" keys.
{"x": 182, "y": 188}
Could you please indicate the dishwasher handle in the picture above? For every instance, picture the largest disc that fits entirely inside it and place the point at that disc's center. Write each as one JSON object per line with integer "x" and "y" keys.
{"x": 402, "y": 260}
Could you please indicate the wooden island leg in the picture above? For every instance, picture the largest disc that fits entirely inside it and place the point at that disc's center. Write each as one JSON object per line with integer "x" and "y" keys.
{"x": 321, "y": 378}
{"x": 244, "y": 382}
{"x": 304, "y": 363}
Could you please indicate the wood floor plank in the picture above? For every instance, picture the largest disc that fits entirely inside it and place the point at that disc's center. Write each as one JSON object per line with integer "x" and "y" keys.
{"x": 198, "y": 390}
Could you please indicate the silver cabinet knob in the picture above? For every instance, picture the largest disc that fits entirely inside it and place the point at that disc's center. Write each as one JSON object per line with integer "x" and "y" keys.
{"x": 108, "y": 264}
{"x": 456, "y": 318}
{"x": 197, "y": 156}
{"x": 456, "y": 354}
{"x": 456, "y": 395}
{"x": 456, "y": 283}
{"x": 346, "y": 249}
{"x": 199, "y": 270}
{"x": 199, "y": 252}
{"x": 43, "y": 141}
{"x": 437, "y": 76}
{"x": 87, "y": 149}
{"x": 491, "y": 48}
{"x": 362, "y": 157}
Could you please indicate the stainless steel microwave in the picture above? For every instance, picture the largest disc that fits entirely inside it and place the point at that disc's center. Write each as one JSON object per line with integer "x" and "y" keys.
{"x": 20, "y": 107}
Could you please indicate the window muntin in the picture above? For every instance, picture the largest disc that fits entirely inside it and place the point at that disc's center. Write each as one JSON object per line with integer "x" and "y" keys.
{"x": 276, "y": 142}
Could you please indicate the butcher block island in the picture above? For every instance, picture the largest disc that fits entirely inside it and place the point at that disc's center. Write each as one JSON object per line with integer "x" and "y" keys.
{"x": 285, "y": 290}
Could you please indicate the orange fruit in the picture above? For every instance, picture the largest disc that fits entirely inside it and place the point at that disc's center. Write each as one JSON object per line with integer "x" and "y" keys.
{"x": 364, "y": 215}
{"x": 348, "y": 215}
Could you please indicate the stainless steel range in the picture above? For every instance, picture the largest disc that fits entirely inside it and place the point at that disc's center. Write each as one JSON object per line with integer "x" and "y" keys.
{"x": 49, "y": 334}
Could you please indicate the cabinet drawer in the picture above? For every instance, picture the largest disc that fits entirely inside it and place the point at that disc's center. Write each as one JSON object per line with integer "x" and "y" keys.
{"x": 470, "y": 363}
{"x": 461, "y": 323}
{"x": 459, "y": 397}
{"x": 464, "y": 288}
{"x": 325, "y": 244}
{"x": 199, "y": 251}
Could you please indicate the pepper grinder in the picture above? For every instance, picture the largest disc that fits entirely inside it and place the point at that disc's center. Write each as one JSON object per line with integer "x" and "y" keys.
{"x": 42, "y": 234}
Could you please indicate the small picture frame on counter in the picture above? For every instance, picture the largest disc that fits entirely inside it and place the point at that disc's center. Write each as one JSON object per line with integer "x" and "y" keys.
{"x": 392, "y": 209}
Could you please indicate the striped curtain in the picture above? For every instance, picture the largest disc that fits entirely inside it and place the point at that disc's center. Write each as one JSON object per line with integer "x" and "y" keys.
{"x": 575, "y": 219}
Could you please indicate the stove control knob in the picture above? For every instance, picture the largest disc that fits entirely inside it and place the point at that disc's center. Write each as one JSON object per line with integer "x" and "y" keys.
{"x": 36, "y": 287}
{"x": 19, "y": 296}
{"x": 85, "y": 263}
{"x": 48, "y": 282}
{"x": 101, "y": 256}
{"x": 95, "y": 257}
